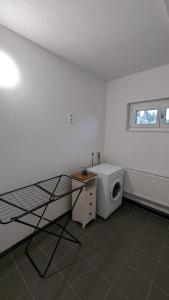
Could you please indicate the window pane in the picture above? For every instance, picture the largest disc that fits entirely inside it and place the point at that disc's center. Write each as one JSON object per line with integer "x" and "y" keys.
{"x": 167, "y": 116}
{"x": 146, "y": 117}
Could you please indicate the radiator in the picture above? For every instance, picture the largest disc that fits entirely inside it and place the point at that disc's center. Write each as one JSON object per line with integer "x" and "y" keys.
{"x": 151, "y": 187}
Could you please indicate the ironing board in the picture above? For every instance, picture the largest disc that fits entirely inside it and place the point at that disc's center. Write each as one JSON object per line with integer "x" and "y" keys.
{"x": 16, "y": 204}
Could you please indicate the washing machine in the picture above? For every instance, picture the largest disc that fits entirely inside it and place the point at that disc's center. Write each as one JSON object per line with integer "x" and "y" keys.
{"x": 109, "y": 188}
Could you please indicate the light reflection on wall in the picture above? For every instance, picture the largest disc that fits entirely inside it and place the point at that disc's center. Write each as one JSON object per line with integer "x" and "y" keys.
{"x": 9, "y": 73}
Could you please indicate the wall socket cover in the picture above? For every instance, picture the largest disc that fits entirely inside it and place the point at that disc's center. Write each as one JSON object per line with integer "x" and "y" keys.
{"x": 70, "y": 118}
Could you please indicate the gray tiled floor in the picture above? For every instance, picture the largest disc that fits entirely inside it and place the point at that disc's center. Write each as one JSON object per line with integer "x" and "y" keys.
{"x": 124, "y": 257}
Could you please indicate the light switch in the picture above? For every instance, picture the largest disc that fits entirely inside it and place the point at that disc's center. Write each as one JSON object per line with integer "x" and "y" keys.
{"x": 70, "y": 118}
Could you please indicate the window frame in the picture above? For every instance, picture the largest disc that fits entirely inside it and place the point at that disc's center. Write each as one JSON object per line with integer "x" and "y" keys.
{"x": 159, "y": 104}
{"x": 163, "y": 111}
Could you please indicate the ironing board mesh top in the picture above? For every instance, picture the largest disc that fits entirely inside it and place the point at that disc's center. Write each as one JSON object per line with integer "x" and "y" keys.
{"x": 26, "y": 198}
{"x": 32, "y": 197}
{"x": 58, "y": 186}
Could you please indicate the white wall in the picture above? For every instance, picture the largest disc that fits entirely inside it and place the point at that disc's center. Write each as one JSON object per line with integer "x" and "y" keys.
{"x": 36, "y": 141}
{"x": 146, "y": 151}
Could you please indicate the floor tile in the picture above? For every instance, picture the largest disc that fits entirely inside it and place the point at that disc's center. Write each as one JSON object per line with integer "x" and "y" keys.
{"x": 119, "y": 248}
{"x": 90, "y": 285}
{"x": 11, "y": 286}
{"x": 125, "y": 209}
{"x": 128, "y": 233}
{"x": 107, "y": 265}
{"x": 43, "y": 238}
{"x": 19, "y": 253}
{"x": 118, "y": 217}
{"x": 114, "y": 221}
{"x": 167, "y": 240}
{"x": 89, "y": 248}
{"x": 71, "y": 266}
{"x": 162, "y": 278}
{"x": 62, "y": 249}
{"x": 25, "y": 296}
{"x": 94, "y": 223}
{"x": 158, "y": 220}
{"x": 143, "y": 263}
{"x": 106, "y": 245}
{"x": 66, "y": 293}
{"x": 156, "y": 231}
{"x": 137, "y": 219}
{"x": 28, "y": 271}
{"x": 6, "y": 265}
{"x": 76, "y": 229}
{"x": 114, "y": 294}
{"x": 164, "y": 259}
{"x": 131, "y": 284}
{"x": 149, "y": 246}
{"x": 51, "y": 288}
{"x": 157, "y": 294}
{"x": 100, "y": 233}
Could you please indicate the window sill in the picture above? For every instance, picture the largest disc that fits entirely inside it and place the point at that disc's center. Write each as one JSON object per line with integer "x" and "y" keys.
{"x": 155, "y": 129}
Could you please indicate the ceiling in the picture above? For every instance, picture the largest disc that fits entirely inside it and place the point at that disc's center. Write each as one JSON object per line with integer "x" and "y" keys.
{"x": 109, "y": 38}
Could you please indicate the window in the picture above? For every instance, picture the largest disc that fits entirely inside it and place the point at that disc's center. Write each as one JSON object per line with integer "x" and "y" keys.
{"x": 149, "y": 115}
{"x": 167, "y": 115}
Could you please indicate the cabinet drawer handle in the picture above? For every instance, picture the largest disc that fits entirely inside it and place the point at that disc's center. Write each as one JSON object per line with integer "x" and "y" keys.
{"x": 91, "y": 193}
{"x": 90, "y": 214}
{"x": 91, "y": 203}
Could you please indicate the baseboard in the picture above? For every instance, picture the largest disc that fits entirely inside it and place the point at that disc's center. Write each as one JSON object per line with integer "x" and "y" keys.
{"x": 143, "y": 204}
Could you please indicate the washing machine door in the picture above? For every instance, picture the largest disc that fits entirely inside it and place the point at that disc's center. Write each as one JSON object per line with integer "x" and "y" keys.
{"x": 115, "y": 190}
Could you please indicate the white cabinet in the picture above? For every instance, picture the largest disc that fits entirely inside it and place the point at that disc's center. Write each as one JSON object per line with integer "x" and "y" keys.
{"x": 85, "y": 208}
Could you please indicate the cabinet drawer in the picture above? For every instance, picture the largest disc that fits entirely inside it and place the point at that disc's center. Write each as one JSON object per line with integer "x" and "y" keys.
{"x": 91, "y": 194}
{"x": 90, "y": 214}
{"x": 91, "y": 208}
